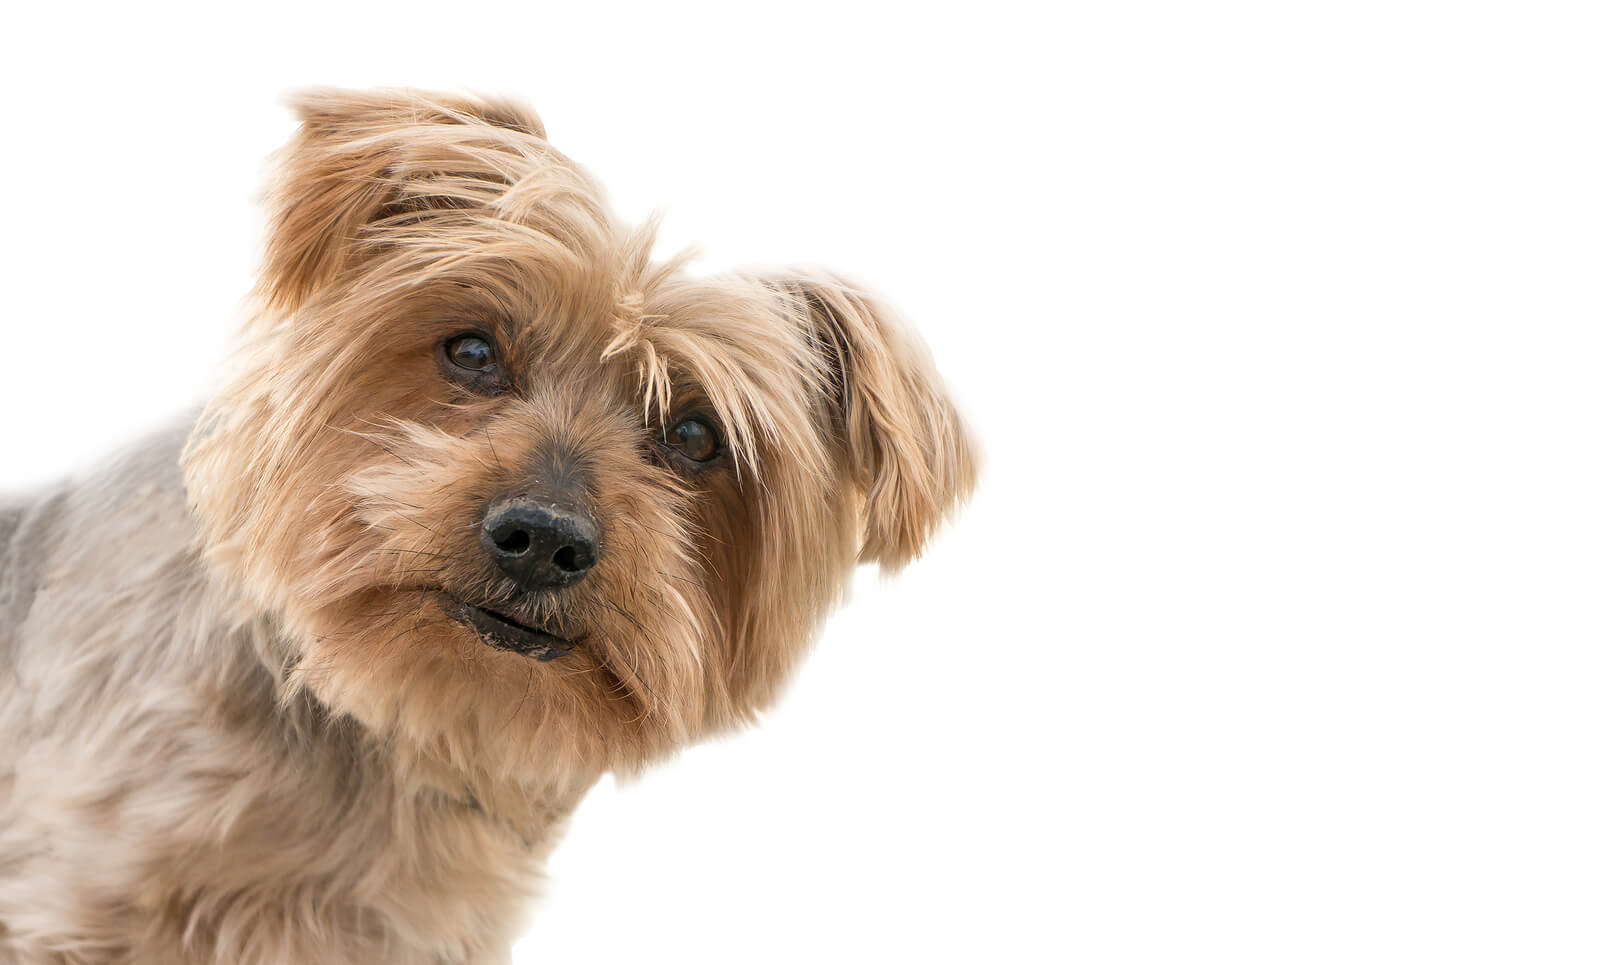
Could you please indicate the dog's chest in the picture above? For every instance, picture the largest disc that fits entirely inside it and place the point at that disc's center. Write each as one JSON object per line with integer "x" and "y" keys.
{"x": 427, "y": 879}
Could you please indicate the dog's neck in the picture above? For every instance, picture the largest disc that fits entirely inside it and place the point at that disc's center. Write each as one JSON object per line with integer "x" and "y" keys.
{"x": 442, "y": 848}
{"x": 281, "y": 710}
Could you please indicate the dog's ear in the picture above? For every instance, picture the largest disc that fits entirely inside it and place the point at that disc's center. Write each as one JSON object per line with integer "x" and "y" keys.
{"x": 364, "y": 156}
{"x": 905, "y": 445}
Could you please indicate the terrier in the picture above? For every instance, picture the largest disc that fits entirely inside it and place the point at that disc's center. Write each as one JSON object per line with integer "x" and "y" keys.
{"x": 489, "y": 505}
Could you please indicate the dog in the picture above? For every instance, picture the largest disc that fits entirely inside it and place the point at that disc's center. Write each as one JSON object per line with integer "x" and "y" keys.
{"x": 490, "y": 503}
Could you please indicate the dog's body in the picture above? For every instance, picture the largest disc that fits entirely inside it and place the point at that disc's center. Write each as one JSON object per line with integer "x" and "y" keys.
{"x": 492, "y": 505}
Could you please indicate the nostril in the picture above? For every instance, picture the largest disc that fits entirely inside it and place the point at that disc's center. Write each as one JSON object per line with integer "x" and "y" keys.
{"x": 515, "y": 542}
{"x": 567, "y": 558}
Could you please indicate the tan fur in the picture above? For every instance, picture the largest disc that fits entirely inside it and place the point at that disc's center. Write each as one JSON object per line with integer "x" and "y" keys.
{"x": 241, "y": 726}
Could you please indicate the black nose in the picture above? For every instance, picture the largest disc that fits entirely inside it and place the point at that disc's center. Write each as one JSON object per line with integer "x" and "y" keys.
{"x": 541, "y": 547}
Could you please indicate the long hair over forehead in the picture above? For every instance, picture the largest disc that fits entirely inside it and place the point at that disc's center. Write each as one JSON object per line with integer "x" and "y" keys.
{"x": 469, "y": 195}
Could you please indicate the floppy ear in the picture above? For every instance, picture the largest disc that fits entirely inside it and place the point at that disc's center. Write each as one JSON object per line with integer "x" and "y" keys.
{"x": 906, "y": 448}
{"x": 363, "y": 156}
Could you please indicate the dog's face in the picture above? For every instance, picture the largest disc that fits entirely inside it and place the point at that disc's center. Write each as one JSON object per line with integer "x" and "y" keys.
{"x": 521, "y": 499}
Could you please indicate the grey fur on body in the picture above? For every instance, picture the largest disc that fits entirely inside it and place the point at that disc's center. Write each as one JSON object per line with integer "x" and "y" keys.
{"x": 147, "y": 766}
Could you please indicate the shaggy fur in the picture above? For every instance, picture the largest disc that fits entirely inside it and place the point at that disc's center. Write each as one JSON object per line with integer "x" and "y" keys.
{"x": 242, "y": 721}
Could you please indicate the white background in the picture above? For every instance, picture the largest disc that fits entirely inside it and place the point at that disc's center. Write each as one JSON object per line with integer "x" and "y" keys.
{"x": 1271, "y": 635}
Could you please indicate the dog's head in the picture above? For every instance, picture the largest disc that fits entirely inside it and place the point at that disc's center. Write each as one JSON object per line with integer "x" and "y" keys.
{"x": 519, "y": 497}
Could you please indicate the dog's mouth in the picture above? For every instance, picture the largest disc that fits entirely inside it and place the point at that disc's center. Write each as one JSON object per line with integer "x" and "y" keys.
{"x": 505, "y": 632}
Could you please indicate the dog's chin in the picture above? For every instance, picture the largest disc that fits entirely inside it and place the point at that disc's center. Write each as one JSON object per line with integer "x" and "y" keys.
{"x": 505, "y": 632}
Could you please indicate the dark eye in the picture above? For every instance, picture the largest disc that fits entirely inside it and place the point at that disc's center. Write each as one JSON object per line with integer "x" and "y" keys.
{"x": 470, "y": 360}
{"x": 694, "y": 437}
{"x": 470, "y": 351}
